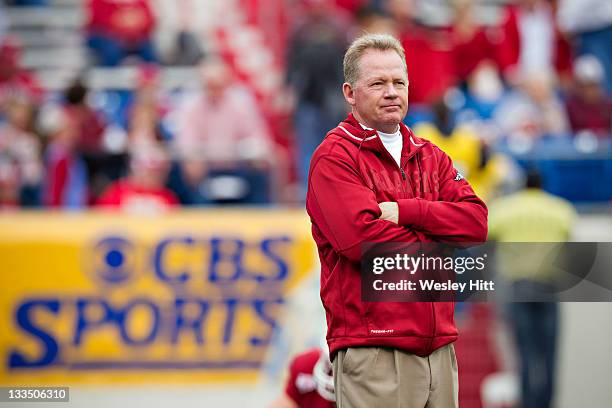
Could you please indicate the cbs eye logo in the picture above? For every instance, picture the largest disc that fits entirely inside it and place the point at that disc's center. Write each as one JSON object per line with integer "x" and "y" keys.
{"x": 112, "y": 260}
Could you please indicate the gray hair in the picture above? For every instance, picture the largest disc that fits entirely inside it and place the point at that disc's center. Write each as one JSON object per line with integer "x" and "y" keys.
{"x": 382, "y": 42}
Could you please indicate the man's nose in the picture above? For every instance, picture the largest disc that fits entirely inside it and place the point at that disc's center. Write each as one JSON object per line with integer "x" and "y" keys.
{"x": 390, "y": 91}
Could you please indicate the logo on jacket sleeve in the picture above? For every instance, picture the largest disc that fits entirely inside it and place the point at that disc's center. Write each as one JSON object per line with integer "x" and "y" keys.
{"x": 459, "y": 177}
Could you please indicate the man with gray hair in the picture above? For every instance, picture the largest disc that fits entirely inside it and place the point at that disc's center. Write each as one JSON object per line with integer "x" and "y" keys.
{"x": 373, "y": 181}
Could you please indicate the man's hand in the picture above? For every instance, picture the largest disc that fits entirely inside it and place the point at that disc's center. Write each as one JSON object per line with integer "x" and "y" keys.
{"x": 390, "y": 211}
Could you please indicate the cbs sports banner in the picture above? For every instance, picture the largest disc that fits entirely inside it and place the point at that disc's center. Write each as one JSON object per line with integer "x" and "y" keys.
{"x": 187, "y": 297}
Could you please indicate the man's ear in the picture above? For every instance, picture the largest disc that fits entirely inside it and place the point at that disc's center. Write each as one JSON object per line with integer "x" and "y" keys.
{"x": 349, "y": 93}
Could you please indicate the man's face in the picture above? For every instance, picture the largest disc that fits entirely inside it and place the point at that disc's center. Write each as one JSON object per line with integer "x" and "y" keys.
{"x": 216, "y": 79}
{"x": 149, "y": 166}
{"x": 380, "y": 96}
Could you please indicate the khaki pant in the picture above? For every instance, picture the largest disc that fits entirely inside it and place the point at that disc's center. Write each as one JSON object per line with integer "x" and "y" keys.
{"x": 373, "y": 377}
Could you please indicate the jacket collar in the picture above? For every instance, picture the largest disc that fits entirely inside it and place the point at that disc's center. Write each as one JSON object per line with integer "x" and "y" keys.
{"x": 351, "y": 130}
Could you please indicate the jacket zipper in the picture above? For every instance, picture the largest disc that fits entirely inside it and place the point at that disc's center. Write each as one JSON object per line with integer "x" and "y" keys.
{"x": 399, "y": 167}
{"x": 433, "y": 304}
{"x": 403, "y": 173}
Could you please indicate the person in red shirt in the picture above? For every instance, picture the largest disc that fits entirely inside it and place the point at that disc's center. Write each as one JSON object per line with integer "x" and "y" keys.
{"x": 372, "y": 180}
{"x": 143, "y": 191}
{"x": 532, "y": 41}
{"x": 90, "y": 124}
{"x": 471, "y": 42}
{"x": 588, "y": 107}
{"x": 310, "y": 383}
{"x": 118, "y": 28}
{"x": 429, "y": 54}
{"x": 15, "y": 81}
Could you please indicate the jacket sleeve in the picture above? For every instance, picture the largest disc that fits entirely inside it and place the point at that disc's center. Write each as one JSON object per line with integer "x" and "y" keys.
{"x": 346, "y": 211}
{"x": 459, "y": 216}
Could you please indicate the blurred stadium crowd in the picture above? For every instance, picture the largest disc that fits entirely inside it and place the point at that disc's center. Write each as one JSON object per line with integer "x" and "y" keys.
{"x": 150, "y": 104}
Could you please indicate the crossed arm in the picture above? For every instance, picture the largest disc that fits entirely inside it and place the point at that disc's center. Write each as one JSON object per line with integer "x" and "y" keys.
{"x": 348, "y": 215}
{"x": 443, "y": 222}
{"x": 458, "y": 215}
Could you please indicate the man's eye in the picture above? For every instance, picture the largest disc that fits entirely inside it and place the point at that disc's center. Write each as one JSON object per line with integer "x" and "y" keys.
{"x": 377, "y": 83}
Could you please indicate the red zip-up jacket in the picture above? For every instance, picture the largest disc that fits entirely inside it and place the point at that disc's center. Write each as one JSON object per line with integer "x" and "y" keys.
{"x": 351, "y": 172}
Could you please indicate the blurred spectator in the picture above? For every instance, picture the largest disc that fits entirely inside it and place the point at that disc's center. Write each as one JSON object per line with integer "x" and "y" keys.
{"x": 225, "y": 151}
{"x": 532, "y": 215}
{"x": 90, "y": 124}
{"x": 66, "y": 172}
{"x": 533, "y": 109}
{"x": 136, "y": 120}
{"x": 429, "y": 54}
{"x": 532, "y": 41}
{"x": 471, "y": 157}
{"x": 314, "y": 72}
{"x": 588, "y": 107}
{"x": 20, "y": 153}
{"x": 310, "y": 383}
{"x": 224, "y": 121}
{"x": 403, "y": 12}
{"x": 590, "y": 21}
{"x": 119, "y": 28}
{"x": 460, "y": 143}
{"x": 144, "y": 126}
{"x": 146, "y": 108}
{"x": 143, "y": 191}
{"x": 471, "y": 43}
{"x": 14, "y": 80}
{"x": 483, "y": 93}
{"x": 9, "y": 183}
{"x": 369, "y": 20}
{"x": 102, "y": 165}
{"x": 223, "y": 127}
